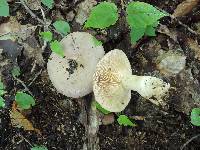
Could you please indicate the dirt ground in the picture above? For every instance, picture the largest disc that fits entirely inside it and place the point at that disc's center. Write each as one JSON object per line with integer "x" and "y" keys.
{"x": 58, "y": 117}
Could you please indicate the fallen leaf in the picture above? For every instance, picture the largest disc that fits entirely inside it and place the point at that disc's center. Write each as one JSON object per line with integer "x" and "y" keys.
{"x": 14, "y": 31}
{"x": 83, "y": 11}
{"x": 197, "y": 26}
{"x": 193, "y": 45}
{"x": 12, "y": 49}
{"x": 34, "y": 4}
{"x": 19, "y": 120}
{"x": 138, "y": 117}
{"x": 8, "y": 29}
{"x": 32, "y": 50}
{"x": 169, "y": 32}
{"x": 185, "y": 7}
{"x": 108, "y": 119}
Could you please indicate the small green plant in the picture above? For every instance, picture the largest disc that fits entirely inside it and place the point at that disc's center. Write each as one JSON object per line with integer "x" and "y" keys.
{"x": 46, "y": 36}
{"x": 102, "y": 16}
{"x": 4, "y": 8}
{"x": 48, "y": 3}
{"x": 142, "y": 19}
{"x": 62, "y": 27}
{"x": 125, "y": 121}
{"x": 97, "y": 42}
{"x": 2, "y": 92}
{"x": 195, "y": 116}
{"x": 54, "y": 45}
{"x": 2, "y": 103}
{"x": 39, "y": 148}
{"x": 24, "y": 101}
{"x": 15, "y": 71}
{"x": 2, "y": 89}
{"x": 57, "y": 48}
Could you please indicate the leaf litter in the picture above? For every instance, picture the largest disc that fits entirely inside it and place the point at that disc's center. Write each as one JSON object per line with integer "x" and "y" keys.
{"x": 182, "y": 98}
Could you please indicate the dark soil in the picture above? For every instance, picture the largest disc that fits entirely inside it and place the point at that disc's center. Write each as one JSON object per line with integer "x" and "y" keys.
{"x": 57, "y": 117}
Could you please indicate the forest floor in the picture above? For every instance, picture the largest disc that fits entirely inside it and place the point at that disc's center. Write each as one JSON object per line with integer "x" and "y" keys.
{"x": 58, "y": 117}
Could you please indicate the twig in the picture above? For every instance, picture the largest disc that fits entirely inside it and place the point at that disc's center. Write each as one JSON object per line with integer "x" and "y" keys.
{"x": 184, "y": 145}
{"x": 45, "y": 28}
{"x": 24, "y": 85}
{"x": 36, "y": 76}
{"x": 93, "y": 127}
{"x": 185, "y": 26}
{"x": 182, "y": 24}
{"x": 43, "y": 15}
{"x": 34, "y": 65}
{"x": 21, "y": 31}
{"x": 26, "y": 140}
{"x": 89, "y": 118}
{"x": 31, "y": 13}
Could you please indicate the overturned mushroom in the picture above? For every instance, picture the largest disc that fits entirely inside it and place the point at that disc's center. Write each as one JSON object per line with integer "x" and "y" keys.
{"x": 113, "y": 82}
{"x": 72, "y": 75}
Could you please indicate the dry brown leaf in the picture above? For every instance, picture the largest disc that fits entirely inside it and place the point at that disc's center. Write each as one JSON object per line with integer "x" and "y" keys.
{"x": 19, "y": 120}
{"x": 108, "y": 119}
{"x": 34, "y": 4}
{"x": 35, "y": 53}
{"x": 10, "y": 27}
{"x": 185, "y": 7}
{"x": 138, "y": 117}
{"x": 193, "y": 45}
{"x": 15, "y": 31}
{"x": 169, "y": 32}
{"x": 83, "y": 11}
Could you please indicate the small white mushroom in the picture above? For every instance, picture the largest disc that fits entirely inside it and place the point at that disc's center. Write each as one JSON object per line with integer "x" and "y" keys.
{"x": 72, "y": 75}
{"x": 113, "y": 82}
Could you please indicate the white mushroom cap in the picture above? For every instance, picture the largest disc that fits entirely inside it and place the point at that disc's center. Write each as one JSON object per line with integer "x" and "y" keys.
{"x": 72, "y": 75}
{"x": 113, "y": 82}
{"x": 108, "y": 89}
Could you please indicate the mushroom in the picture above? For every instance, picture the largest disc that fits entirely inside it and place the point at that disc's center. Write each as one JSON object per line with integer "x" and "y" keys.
{"x": 113, "y": 82}
{"x": 72, "y": 74}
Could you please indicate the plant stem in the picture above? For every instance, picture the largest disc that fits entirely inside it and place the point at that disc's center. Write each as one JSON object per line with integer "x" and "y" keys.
{"x": 31, "y": 13}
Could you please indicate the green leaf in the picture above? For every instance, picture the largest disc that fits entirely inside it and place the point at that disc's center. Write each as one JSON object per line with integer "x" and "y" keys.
{"x": 195, "y": 116}
{"x": 4, "y": 8}
{"x": 102, "y": 16}
{"x": 24, "y": 100}
{"x": 2, "y": 92}
{"x": 144, "y": 18}
{"x": 62, "y": 27}
{"x": 46, "y": 36}
{"x": 1, "y": 85}
{"x": 101, "y": 109}
{"x": 48, "y": 3}
{"x": 39, "y": 148}
{"x": 150, "y": 31}
{"x": 140, "y": 14}
{"x": 124, "y": 120}
{"x": 2, "y": 103}
{"x": 97, "y": 42}
{"x": 16, "y": 71}
{"x": 136, "y": 34}
{"x": 57, "y": 48}
{"x": 2, "y": 89}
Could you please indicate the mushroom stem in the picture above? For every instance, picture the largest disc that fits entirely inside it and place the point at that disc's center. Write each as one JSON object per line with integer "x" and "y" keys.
{"x": 131, "y": 82}
{"x": 147, "y": 86}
